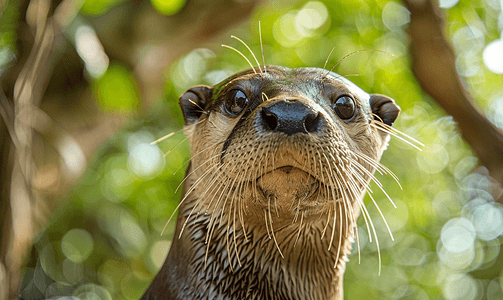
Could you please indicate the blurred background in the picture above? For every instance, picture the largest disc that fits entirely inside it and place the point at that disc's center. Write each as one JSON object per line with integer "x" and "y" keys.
{"x": 88, "y": 85}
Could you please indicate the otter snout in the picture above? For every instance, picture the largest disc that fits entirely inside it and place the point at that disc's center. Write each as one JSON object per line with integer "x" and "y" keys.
{"x": 290, "y": 117}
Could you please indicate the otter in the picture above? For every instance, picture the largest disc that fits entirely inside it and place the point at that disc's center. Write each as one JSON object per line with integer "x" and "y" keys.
{"x": 280, "y": 162}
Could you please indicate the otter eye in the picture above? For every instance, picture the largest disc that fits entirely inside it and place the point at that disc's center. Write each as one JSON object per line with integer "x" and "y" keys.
{"x": 236, "y": 102}
{"x": 345, "y": 107}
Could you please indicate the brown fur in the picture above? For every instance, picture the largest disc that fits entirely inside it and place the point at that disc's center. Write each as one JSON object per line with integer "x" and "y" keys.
{"x": 266, "y": 215}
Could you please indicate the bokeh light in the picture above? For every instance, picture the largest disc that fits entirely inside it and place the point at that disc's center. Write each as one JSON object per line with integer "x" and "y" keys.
{"x": 311, "y": 17}
{"x": 91, "y": 51}
{"x": 447, "y": 3}
{"x": 395, "y": 16}
{"x": 461, "y": 286}
{"x": 110, "y": 240}
{"x": 493, "y": 56}
{"x": 145, "y": 160}
{"x": 77, "y": 245}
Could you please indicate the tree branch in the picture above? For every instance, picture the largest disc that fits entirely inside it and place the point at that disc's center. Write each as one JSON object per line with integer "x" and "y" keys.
{"x": 434, "y": 65}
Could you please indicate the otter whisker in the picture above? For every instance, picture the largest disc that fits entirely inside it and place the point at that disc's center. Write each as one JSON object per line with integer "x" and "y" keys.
{"x": 326, "y": 224}
{"x": 329, "y": 54}
{"x": 346, "y": 198}
{"x": 240, "y": 188}
{"x": 376, "y": 165}
{"x": 396, "y": 133}
{"x": 382, "y": 216}
{"x": 240, "y": 212}
{"x": 261, "y": 45}
{"x": 214, "y": 175}
{"x": 254, "y": 57}
{"x": 382, "y": 169}
{"x": 299, "y": 230}
{"x": 392, "y": 129}
{"x": 234, "y": 181}
{"x": 185, "y": 197}
{"x": 230, "y": 187}
{"x": 239, "y": 52}
{"x": 212, "y": 224}
{"x": 360, "y": 167}
{"x": 261, "y": 160}
{"x": 346, "y": 203}
{"x": 350, "y": 75}
{"x": 227, "y": 242}
{"x": 239, "y": 205}
{"x": 167, "y": 136}
{"x": 273, "y": 154}
{"x": 267, "y": 225}
{"x": 199, "y": 201}
{"x": 297, "y": 210}
{"x": 348, "y": 55}
{"x": 192, "y": 172}
{"x": 224, "y": 186}
{"x": 334, "y": 199}
{"x": 333, "y": 228}
{"x": 228, "y": 227}
{"x": 359, "y": 177}
{"x": 327, "y": 195}
{"x": 340, "y": 237}
{"x": 240, "y": 191}
{"x": 357, "y": 242}
{"x": 208, "y": 243}
{"x": 273, "y": 167}
{"x": 201, "y": 109}
{"x": 373, "y": 200}
{"x": 364, "y": 209}
{"x": 264, "y": 96}
{"x": 234, "y": 226}
{"x": 346, "y": 216}
{"x": 272, "y": 230}
{"x": 276, "y": 206}
{"x": 207, "y": 172}
{"x": 194, "y": 156}
{"x": 178, "y": 144}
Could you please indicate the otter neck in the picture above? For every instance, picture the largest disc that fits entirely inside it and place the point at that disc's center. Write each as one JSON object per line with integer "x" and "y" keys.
{"x": 284, "y": 262}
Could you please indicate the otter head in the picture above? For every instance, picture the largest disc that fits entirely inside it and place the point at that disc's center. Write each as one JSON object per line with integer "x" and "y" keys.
{"x": 283, "y": 155}
{"x": 286, "y": 142}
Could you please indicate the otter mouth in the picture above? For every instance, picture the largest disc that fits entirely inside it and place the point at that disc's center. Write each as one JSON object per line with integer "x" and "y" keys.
{"x": 289, "y": 187}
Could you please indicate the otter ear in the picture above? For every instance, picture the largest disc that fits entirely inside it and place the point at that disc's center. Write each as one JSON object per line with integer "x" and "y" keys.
{"x": 384, "y": 108}
{"x": 194, "y": 102}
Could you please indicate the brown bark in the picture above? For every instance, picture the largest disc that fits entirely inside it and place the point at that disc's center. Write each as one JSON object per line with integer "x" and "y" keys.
{"x": 433, "y": 64}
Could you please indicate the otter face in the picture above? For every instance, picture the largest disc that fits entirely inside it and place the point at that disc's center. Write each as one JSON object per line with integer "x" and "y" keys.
{"x": 286, "y": 142}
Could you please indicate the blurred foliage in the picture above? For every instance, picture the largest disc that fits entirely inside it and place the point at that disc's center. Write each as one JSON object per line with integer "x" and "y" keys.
{"x": 116, "y": 89}
{"x": 110, "y": 239}
{"x": 8, "y": 22}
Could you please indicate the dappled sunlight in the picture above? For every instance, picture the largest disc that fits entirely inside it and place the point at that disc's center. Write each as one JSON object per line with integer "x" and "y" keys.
{"x": 112, "y": 237}
{"x": 145, "y": 160}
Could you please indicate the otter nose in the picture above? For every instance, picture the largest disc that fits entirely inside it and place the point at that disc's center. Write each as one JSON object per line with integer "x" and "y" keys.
{"x": 290, "y": 117}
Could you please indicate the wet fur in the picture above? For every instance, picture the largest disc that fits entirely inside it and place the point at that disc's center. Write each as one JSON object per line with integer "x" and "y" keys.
{"x": 242, "y": 232}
